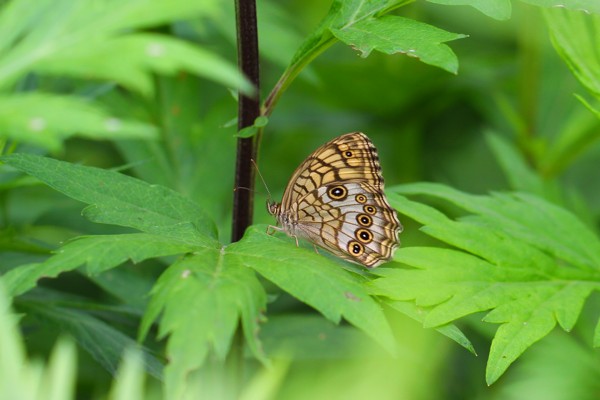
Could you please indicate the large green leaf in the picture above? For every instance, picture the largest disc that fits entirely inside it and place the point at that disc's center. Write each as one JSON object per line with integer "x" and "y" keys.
{"x": 42, "y": 119}
{"x": 202, "y": 298}
{"x": 531, "y": 263}
{"x": 67, "y": 37}
{"x": 99, "y": 253}
{"x": 314, "y": 280}
{"x": 121, "y": 200}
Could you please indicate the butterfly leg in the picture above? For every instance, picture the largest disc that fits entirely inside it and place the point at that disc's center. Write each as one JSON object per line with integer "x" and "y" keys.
{"x": 272, "y": 228}
{"x": 315, "y": 247}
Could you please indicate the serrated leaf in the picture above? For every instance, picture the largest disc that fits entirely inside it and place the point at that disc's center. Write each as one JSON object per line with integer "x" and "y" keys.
{"x": 394, "y": 34}
{"x": 41, "y": 119}
{"x": 527, "y": 218}
{"x": 121, "y": 200}
{"x": 217, "y": 291}
{"x": 497, "y": 9}
{"x": 508, "y": 267}
{"x": 99, "y": 253}
{"x": 316, "y": 281}
{"x": 342, "y": 13}
{"x": 528, "y": 319}
{"x": 582, "y": 6}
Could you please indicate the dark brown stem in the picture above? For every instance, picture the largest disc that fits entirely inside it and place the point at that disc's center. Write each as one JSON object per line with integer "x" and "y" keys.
{"x": 248, "y": 111}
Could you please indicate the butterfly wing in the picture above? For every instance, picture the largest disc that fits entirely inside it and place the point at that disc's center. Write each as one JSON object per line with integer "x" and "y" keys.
{"x": 353, "y": 220}
{"x": 348, "y": 157}
{"x": 338, "y": 200}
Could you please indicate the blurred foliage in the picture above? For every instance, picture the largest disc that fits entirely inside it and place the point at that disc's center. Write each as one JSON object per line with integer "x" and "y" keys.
{"x": 134, "y": 99}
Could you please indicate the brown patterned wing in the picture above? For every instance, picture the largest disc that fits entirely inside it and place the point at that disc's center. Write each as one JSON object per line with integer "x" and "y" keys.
{"x": 348, "y": 157}
{"x": 352, "y": 220}
{"x": 335, "y": 199}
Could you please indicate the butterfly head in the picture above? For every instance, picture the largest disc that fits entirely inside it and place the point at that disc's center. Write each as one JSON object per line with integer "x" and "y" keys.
{"x": 273, "y": 207}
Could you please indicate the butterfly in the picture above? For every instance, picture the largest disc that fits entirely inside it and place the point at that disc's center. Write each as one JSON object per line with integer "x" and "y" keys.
{"x": 335, "y": 200}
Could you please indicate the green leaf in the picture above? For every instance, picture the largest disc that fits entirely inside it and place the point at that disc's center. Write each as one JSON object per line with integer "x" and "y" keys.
{"x": 139, "y": 54}
{"x": 582, "y": 6}
{"x": 65, "y": 37}
{"x": 597, "y": 334}
{"x": 122, "y": 200}
{"x": 526, "y": 218}
{"x": 343, "y": 15}
{"x": 41, "y": 119}
{"x": 216, "y": 291}
{"x": 418, "y": 314}
{"x": 517, "y": 171}
{"x": 497, "y": 9}
{"x": 393, "y": 34}
{"x": 316, "y": 281}
{"x": 104, "y": 343}
{"x": 249, "y": 131}
{"x": 99, "y": 253}
{"x": 576, "y": 38}
{"x": 529, "y": 263}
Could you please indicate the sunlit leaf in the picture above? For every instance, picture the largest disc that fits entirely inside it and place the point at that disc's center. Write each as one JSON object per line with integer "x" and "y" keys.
{"x": 529, "y": 263}
{"x": 315, "y": 280}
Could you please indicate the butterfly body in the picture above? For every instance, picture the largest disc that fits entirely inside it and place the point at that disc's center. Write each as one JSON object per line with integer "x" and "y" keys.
{"x": 335, "y": 200}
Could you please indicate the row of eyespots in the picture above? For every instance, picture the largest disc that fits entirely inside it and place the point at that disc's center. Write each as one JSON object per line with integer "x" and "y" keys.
{"x": 340, "y": 193}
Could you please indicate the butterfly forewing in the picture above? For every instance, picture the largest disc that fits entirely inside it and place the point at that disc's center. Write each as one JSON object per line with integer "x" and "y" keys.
{"x": 335, "y": 199}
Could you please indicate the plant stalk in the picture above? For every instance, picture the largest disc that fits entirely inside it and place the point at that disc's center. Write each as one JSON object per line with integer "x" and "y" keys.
{"x": 243, "y": 199}
{"x": 248, "y": 111}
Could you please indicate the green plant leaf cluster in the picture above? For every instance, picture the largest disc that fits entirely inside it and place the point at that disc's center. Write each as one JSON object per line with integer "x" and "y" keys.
{"x": 141, "y": 87}
{"x": 218, "y": 284}
{"x": 65, "y": 38}
{"x": 529, "y": 263}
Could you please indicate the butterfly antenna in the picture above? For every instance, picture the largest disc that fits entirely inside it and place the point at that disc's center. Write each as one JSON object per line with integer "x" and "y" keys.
{"x": 262, "y": 179}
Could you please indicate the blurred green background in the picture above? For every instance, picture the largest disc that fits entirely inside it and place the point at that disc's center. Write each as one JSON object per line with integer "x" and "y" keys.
{"x": 427, "y": 124}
